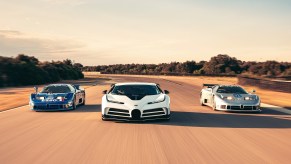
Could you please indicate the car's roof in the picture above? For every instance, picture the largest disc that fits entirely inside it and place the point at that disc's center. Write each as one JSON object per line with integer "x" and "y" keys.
{"x": 134, "y": 83}
{"x": 58, "y": 84}
{"x": 233, "y": 85}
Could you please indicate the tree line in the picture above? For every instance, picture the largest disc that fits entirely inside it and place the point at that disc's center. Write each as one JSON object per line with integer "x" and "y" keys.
{"x": 218, "y": 65}
{"x": 28, "y": 70}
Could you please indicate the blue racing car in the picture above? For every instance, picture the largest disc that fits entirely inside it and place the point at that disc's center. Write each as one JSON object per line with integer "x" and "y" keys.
{"x": 56, "y": 97}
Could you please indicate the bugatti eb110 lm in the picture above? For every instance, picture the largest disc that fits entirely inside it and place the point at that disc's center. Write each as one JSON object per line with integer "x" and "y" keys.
{"x": 57, "y": 97}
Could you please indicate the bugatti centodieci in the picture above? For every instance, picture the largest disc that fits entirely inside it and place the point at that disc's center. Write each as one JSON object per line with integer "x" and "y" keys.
{"x": 229, "y": 98}
{"x": 56, "y": 97}
{"x": 135, "y": 101}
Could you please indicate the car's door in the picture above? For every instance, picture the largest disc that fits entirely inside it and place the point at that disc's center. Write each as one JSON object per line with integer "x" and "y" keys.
{"x": 77, "y": 93}
{"x": 210, "y": 95}
{"x": 206, "y": 94}
{"x": 82, "y": 93}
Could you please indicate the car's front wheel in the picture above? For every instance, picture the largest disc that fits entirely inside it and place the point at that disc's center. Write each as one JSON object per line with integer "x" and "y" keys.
{"x": 103, "y": 118}
{"x": 84, "y": 101}
{"x": 201, "y": 100}
{"x": 74, "y": 104}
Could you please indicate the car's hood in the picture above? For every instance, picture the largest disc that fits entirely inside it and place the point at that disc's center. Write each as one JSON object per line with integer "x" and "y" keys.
{"x": 46, "y": 97}
{"x": 236, "y": 96}
{"x": 134, "y": 100}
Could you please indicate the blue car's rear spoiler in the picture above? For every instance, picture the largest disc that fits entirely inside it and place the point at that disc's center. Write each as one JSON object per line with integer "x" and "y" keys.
{"x": 209, "y": 85}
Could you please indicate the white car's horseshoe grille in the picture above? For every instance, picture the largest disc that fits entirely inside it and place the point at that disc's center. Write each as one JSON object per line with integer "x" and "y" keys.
{"x": 153, "y": 112}
{"x": 118, "y": 112}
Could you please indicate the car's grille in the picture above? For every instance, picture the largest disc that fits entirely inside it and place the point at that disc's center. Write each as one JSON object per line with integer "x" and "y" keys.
{"x": 49, "y": 106}
{"x": 118, "y": 112}
{"x": 153, "y": 112}
{"x": 242, "y": 107}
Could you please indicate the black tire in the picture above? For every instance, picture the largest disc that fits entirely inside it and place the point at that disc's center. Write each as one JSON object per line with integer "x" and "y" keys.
{"x": 74, "y": 104}
{"x": 201, "y": 101}
{"x": 103, "y": 119}
{"x": 84, "y": 101}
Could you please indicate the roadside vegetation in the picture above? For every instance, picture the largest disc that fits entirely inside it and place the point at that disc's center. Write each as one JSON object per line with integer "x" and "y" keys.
{"x": 220, "y": 65}
{"x": 28, "y": 70}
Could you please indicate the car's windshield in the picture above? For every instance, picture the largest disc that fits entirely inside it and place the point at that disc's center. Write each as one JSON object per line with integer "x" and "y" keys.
{"x": 136, "y": 90}
{"x": 231, "y": 89}
{"x": 56, "y": 89}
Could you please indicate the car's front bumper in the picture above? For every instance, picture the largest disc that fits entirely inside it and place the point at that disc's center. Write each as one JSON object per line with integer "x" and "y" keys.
{"x": 136, "y": 114}
{"x": 239, "y": 107}
{"x": 51, "y": 106}
{"x": 118, "y": 118}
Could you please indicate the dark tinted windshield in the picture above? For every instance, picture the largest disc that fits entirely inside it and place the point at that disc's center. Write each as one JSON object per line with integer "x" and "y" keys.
{"x": 136, "y": 90}
{"x": 56, "y": 89}
{"x": 229, "y": 89}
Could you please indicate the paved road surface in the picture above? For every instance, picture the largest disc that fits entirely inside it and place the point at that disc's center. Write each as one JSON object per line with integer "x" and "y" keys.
{"x": 195, "y": 134}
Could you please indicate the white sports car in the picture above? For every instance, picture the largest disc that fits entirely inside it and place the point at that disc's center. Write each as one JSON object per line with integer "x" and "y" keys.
{"x": 135, "y": 101}
{"x": 229, "y": 98}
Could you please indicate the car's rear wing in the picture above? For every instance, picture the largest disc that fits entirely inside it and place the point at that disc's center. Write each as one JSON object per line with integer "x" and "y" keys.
{"x": 78, "y": 86}
{"x": 209, "y": 85}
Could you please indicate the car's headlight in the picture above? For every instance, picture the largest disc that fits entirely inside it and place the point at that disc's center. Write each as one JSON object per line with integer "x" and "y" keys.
{"x": 227, "y": 97}
{"x": 60, "y": 98}
{"x": 39, "y": 98}
{"x": 70, "y": 102}
{"x": 111, "y": 100}
{"x": 250, "y": 98}
{"x": 158, "y": 100}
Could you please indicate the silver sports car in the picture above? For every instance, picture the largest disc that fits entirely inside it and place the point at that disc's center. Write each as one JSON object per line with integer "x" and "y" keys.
{"x": 229, "y": 98}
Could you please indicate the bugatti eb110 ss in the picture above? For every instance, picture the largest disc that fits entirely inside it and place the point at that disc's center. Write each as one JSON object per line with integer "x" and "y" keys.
{"x": 229, "y": 98}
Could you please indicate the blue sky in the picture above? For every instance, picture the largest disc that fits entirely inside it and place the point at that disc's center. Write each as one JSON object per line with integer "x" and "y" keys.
{"x": 97, "y": 32}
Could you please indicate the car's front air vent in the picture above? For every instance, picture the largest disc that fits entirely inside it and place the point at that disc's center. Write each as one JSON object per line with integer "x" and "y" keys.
{"x": 135, "y": 97}
{"x": 118, "y": 112}
{"x": 154, "y": 110}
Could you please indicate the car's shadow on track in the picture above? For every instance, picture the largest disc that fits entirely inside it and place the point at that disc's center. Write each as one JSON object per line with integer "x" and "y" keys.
{"x": 88, "y": 108}
{"x": 268, "y": 119}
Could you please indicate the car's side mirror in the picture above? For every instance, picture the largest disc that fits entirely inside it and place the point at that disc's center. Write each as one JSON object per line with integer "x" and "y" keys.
{"x": 167, "y": 92}
{"x": 36, "y": 89}
{"x": 253, "y": 91}
{"x": 104, "y": 92}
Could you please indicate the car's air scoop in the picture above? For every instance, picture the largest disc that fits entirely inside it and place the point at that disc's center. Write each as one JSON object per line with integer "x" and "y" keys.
{"x": 135, "y": 97}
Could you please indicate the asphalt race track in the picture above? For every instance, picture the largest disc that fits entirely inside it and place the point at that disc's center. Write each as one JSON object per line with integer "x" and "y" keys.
{"x": 195, "y": 134}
